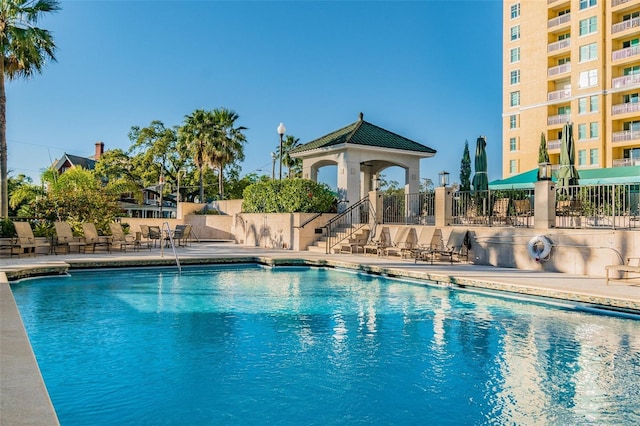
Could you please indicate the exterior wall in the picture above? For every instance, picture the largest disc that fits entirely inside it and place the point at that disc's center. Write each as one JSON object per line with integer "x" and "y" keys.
{"x": 274, "y": 230}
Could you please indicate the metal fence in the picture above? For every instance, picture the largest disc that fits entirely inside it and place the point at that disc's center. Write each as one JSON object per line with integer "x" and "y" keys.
{"x": 513, "y": 207}
{"x": 409, "y": 209}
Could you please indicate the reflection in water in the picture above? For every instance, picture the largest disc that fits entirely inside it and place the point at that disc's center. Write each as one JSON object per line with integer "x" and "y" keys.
{"x": 253, "y": 346}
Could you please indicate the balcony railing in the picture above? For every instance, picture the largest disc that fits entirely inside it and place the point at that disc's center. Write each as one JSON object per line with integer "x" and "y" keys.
{"x": 625, "y": 108}
{"x": 627, "y": 80}
{"x": 558, "y": 45}
{"x": 559, "y": 94}
{"x": 615, "y": 3}
{"x": 562, "y": 19}
{"x": 625, "y": 25}
{"x": 626, "y": 162}
{"x": 627, "y": 52}
{"x": 554, "y": 144}
{"x": 560, "y": 69}
{"x": 558, "y": 119}
{"x": 626, "y": 135}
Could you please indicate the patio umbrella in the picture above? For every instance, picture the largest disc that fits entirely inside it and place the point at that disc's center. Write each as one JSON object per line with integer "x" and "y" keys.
{"x": 480, "y": 181}
{"x": 567, "y": 174}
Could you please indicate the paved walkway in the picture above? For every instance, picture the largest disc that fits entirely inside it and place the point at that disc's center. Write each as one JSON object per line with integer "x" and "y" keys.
{"x": 23, "y": 396}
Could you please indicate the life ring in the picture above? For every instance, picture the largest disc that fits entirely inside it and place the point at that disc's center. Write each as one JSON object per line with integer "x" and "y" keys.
{"x": 539, "y": 248}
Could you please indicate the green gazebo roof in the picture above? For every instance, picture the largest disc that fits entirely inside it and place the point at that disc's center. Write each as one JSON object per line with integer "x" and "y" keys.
{"x": 587, "y": 177}
{"x": 365, "y": 134}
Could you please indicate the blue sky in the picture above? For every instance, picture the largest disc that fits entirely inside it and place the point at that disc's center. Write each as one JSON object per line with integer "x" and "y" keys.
{"x": 428, "y": 70}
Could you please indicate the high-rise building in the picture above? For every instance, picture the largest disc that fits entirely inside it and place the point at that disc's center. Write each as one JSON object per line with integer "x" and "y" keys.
{"x": 572, "y": 61}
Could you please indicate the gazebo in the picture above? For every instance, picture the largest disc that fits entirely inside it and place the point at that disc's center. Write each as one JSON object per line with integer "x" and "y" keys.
{"x": 361, "y": 151}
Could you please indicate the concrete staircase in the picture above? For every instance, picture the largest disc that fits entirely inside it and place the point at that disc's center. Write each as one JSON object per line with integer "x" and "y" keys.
{"x": 320, "y": 244}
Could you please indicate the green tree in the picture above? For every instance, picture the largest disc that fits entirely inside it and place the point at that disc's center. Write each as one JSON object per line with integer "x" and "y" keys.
{"x": 288, "y": 196}
{"x": 465, "y": 169}
{"x": 227, "y": 147}
{"x": 197, "y": 133}
{"x": 23, "y": 193}
{"x": 115, "y": 168}
{"x": 25, "y": 50}
{"x": 293, "y": 165}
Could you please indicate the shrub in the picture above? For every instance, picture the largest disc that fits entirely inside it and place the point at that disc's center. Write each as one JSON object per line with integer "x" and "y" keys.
{"x": 288, "y": 196}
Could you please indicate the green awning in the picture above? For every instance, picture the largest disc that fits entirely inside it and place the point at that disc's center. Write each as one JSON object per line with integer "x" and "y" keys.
{"x": 611, "y": 175}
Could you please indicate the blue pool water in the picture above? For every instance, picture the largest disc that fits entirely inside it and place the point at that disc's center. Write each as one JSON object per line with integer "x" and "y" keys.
{"x": 253, "y": 345}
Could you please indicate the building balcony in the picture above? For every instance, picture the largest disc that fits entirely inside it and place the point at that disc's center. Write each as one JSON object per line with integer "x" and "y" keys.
{"x": 624, "y": 81}
{"x": 559, "y": 20}
{"x": 626, "y": 162}
{"x": 559, "y": 94}
{"x": 615, "y": 3}
{"x": 625, "y": 108}
{"x": 560, "y": 69}
{"x": 554, "y": 145}
{"x": 558, "y": 45}
{"x": 625, "y": 136}
{"x": 625, "y": 25}
{"x": 627, "y": 52}
{"x": 558, "y": 119}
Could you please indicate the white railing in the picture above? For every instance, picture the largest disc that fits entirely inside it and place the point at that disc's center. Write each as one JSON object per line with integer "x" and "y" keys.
{"x": 562, "y": 19}
{"x": 615, "y": 3}
{"x": 625, "y": 25}
{"x": 554, "y": 144}
{"x": 558, "y": 45}
{"x": 558, "y": 119}
{"x": 559, "y": 94}
{"x": 626, "y": 162}
{"x": 626, "y": 80}
{"x": 625, "y": 108}
{"x": 560, "y": 69}
{"x": 627, "y": 52}
{"x": 626, "y": 135}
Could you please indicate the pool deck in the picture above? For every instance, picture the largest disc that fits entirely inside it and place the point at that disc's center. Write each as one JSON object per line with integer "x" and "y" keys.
{"x": 23, "y": 395}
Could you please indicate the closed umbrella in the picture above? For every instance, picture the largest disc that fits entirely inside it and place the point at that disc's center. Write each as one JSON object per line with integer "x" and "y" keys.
{"x": 480, "y": 180}
{"x": 567, "y": 174}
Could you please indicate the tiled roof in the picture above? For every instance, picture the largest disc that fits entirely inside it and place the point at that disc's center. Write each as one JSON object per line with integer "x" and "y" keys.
{"x": 85, "y": 163}
{"x": 364, "y": 133}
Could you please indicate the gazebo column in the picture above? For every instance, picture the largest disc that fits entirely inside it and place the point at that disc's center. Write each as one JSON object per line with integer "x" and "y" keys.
{"x": 348, "y": 183}
{"x": 411, "y": 189}
{"x": 366, "y": 177}
{"x": 309, "y": 171}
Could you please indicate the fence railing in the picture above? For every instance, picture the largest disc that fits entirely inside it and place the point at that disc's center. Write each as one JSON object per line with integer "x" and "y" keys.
{"x": 512, "y": 207}
{"x": 409, "y": 209}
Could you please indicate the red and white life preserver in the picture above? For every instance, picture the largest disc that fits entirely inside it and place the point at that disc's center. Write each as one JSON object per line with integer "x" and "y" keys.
{"x": 539, "y": 248}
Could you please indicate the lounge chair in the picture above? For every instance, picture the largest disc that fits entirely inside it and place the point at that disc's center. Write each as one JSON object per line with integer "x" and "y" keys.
{"x": 402, "y": 243}
{"x": 380, "y": 240}
{"x": 26, "y": 243}
{"x": 179, "y": 235}
{"x": 457, "y": 246}
{"x": 155, "y": 234}
{"x": 118, "y": 237}
{"x": 500, "y": 211}
{"x": 144, "y": 237}
{"x": 93, "y": 240}
{"x": 356, "y": 244}
{"x": 65, "y": 240}
{"x": 523, "y": 211}
{"x": 429, "y": 240}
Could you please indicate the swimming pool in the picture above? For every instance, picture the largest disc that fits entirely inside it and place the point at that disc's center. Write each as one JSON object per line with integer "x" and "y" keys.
{"x": 247, "y": 345}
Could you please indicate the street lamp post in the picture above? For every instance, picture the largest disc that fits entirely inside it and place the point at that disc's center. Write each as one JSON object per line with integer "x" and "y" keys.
{"x": 281, "y": 130}
{"x": 273, "y": 166}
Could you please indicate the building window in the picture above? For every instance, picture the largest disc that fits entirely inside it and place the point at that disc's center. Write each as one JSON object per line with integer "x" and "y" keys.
{"x": 515, "y": 76}
{"x": 631, "y": 98}
{"x": 587, "y": 3}
{"x": 582, "y": 157}
{"x": 564, "y": 36}
{"x": 630, "y": 16}
{"x": 514, "y": 98}
{"x": 515, "y": 32}
{"x": 582, "y": 105}
{"x": 593, "y": 130}
{"x": 515, "y": 10}
{"x": 631, "y": 70}
{"x": 634, "y": 126}
{"x": 563, "y": 61}
{"x": 515, "y": 54}
{"x": 588, "y": 79}
{"x": 582, "y": 131}
{"x": 630, "y": 43}
{"x": 588, "y": 26}
{"x": 513, "y": 144}
{"x": 593, "y": 100}
{"x": 593, "y": 156}
{"x": 513, "y": 166}
{"x": 513, "y": 121}
{"x": 564, "y": 110}
{"x": 588, "y": 52}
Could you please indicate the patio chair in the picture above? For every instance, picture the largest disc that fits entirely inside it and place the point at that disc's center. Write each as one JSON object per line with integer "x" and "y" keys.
{"x": 93, "y": 239}
{"x": 357, "y": 243}
{"x": 144, "y": 236}
{"x": 65, "y": 239}
{"x": 178, "y": 235}
{"x": 26, "y": 243}
{"x": 500, "y": 211}
{"x": 523, "y": 211}
{"x": 155, "y": 235}
{"x": 402, "y": 242}
{"x": 380, "y": 240}
{"x": 457, "y": 246}
{"x": 429, "y": 240}
{"x": 118, "y": 237}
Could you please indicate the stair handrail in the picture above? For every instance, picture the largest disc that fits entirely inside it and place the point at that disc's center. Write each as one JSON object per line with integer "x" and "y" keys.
{"x": 346, "y": 218}
{"x": 172, "y": 242}
{"x": 311, "y": 219}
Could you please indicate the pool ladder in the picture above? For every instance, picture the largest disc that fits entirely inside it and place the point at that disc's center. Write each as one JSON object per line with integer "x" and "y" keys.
{"x": 173, "y": 245}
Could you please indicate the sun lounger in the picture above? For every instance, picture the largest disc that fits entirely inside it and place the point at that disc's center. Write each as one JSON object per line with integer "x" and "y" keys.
{"x": 65, "y": 239}
{"x": 457, "y": 246}
{"x": 93, "y": 240}
{"x": 26, "y": 243}
{"x": 500, "y": 211}
{"x": 632, "y": 266}
{"x": 380, "y": 240}
{"x": 357, "y": 243}
{"x": 429, "y": 240}
{"x": 402, "y": 242}
{"x": 118, "y": 237}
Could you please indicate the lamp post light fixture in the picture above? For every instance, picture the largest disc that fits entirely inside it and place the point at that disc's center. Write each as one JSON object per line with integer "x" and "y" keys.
{"x": 444, "y": 178}
{"x": 281, "y": 130}
{"x": 544, "y": 171}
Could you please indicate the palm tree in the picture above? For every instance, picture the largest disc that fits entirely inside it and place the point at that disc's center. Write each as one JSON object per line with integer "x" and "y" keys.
{"x": 293, "y": 165}
{"x": 25, "y": 50}
{"x": 198, "y": 132}
{"x": 228, "y": 143}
